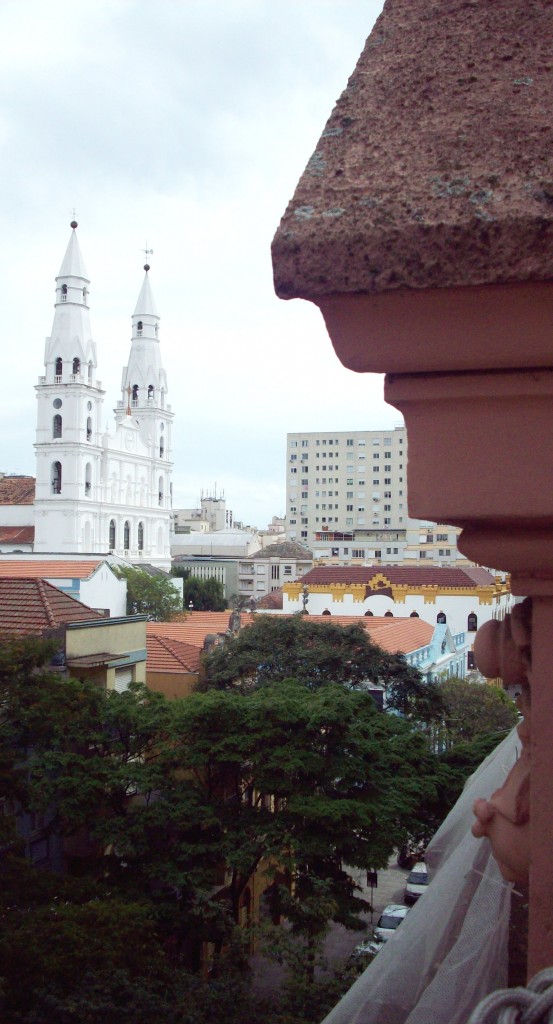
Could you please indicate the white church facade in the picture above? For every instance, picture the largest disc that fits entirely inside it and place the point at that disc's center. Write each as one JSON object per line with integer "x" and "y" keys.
{"x": 100, "y": 491}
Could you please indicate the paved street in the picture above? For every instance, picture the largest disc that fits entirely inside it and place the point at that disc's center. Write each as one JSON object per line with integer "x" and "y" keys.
{"x": 268, "y": 976}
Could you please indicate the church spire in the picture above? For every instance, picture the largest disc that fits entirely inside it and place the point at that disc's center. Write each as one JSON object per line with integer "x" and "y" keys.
{"x": 144, "y": 374}
{"x": 73, "y": 263}
{"x": 70, "y": 349}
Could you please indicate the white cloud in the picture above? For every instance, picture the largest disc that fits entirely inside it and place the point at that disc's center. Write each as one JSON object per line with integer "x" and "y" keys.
{"x": 186, "y": 123}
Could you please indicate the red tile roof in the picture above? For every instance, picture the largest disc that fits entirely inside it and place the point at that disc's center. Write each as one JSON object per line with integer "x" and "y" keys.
{"x": 17, "y": 490}
{"x": 392, "y": 634}
{"x": 398, "y": 575}
{"x": 36, "y": 568}
{"x": 33, "y": 605}
{"x": 167, "y": 655}
{"x": 17, "y": 534}
{"x": 196, "y": 626}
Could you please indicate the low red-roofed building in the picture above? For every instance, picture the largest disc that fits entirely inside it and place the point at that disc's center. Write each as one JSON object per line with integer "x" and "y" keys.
{"x": 172, "y": 666}
{"x": 108, "y": 651}
{"x": 91, "y": 580}
{"x": 17, "y": 530}
{"x": 461, "y": 598}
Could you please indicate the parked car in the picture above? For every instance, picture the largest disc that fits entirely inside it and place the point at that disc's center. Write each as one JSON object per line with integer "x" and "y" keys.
{"x": 417, "y": 881}
{"x": 390, "y": 919}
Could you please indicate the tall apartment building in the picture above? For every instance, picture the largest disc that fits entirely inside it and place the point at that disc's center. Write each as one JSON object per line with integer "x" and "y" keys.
{"x": 346, "y": 498}
{"x": 342, "y": 482}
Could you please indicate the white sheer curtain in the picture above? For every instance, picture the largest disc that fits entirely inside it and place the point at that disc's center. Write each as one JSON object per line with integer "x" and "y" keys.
{"x": 451, "y": 949}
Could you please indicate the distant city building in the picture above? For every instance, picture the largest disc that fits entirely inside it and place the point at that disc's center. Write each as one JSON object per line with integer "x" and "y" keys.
{"x": 211, "y": 515}
{"x": 346, "y": 498}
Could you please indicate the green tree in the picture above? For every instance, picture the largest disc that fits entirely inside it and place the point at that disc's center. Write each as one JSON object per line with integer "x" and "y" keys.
{"x": 472, "y": 710}
{"x": 154, "y": 596}
{"x": 275, "y": 647}
{"x": 205, "y": 595}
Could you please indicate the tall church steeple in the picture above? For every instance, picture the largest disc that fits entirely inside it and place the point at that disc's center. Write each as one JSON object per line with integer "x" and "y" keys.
{"x": 70, "y": 351}
{"x": 144, "y": 381}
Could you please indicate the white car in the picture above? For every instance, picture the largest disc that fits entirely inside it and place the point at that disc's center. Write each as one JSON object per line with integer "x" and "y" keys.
{"x": 390, "y": 919}
{"x": 417, "y": 881}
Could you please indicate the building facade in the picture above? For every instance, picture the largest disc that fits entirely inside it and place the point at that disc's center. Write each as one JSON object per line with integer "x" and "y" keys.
{"x": 340, "y": 482}
{"x": 96, "y": 491}
{"x": 346, "y": 497}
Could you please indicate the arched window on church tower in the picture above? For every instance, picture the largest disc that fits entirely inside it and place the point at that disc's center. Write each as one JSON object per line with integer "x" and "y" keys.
{"x": 139, "y": 327}
{"x": 141, "y": 536}
{"x": 64, "y": 293}
{"x": 57, "y": 426}
{"x": 127, "y": 535}
{"x": 135, "y": 393}
{"x": 150, "y": 391}
{"x": 441, "y": 618}
{"x": 56, "y": 478}
{"x": 112, "y": 535}
{"x": 89, "y": 428}
{"x": 88, "y": 479}
{"x": 160, "y": 491}
{"x": 161, "y": 447}
{"x": 90, "y": 369}
{"x": 76, "y": 365}
{"x": 59, "y": 369}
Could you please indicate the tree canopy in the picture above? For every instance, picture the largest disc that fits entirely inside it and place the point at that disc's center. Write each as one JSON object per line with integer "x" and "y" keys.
{"x": 154, "y": 596}
{"x": 473, "y": 710}
{"x": 204, "y": 595}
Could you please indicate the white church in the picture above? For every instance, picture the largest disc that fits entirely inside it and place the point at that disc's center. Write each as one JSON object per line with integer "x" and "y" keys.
{"x": 100, "y": 491}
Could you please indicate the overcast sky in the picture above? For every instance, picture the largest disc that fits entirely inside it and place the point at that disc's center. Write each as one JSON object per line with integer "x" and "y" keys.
{"x": 184, "y": 124}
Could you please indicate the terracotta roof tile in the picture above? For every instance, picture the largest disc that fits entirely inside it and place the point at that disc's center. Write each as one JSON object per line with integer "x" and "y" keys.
{"x": 33, "y": 605}
{"x": 398, "y": 575}
{"x": 17, "y": 534}
{"x": 392, "y": 634}
{"x": 168, "y": 655}
{"x": 17, "y": 490}
{"x": 195, "y": 627}
{"x": 48, "y": 569}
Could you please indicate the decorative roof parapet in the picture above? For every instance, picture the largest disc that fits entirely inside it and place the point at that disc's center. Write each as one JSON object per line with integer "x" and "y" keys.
{"x": 435, "y": 168}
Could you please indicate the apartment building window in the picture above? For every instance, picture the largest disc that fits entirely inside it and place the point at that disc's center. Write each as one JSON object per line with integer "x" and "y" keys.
{"x": 304, "y": 533}
{"x": 387, "y": 440}
{"x": 293, "y": 458}
{"x": 376, "y": 483}
{"x": 293, "y": 469}
{"x": 349, "y": 522}
{"x": 349, "y": 442}
{"x": 361, "y": 508}
{"x": 317, "y": 441}
{"x": 376, "y": 441}
{"x": 304, "y": 482}
{"x": 305, "y": 494}
{"x": 349, "y": 494}
{"x": 358, "y": 552}
{"x": 349, "y": 481}
{"x": 324, "y": 441}
{"x": 360, "y": 483}
{"x": 293, "y": 522}
{"x": 422, "y": 554}
{"x": 304, "y": 456}
{"x": 323, "y": 506}
{"x": 331, "y": 441}
{"x": 293, "y": 508}
{"x": 387, "y": 480}
{"x": 287, "y": 570}
{"x": 441, "y": 536}
{"x": 387, "y": 521}
{"x": 304, "y": 521}
{"x": 387, "y": 468}
{"x": 305, "y": 444}
{"x": 378, "y": 554}
{"x": 387, "y": 508}
{"x": 349, "y": 508}
{"x": 376, "y": 455}
{"x": 293, "y": 444}
{"x": 429, "y": 538}
{"x": 387, "y": 494}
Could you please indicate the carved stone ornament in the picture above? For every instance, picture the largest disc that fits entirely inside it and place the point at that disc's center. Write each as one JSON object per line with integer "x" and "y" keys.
{"x": 503, "y": 649}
